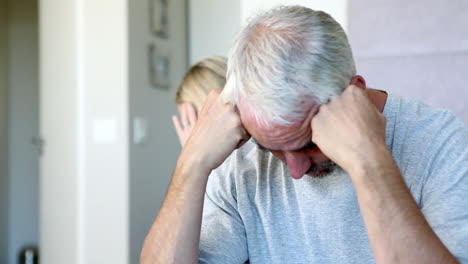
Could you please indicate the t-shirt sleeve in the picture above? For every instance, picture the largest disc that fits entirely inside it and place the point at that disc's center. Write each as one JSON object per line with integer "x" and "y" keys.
{"x": 222, "y": 238}
{"x": 445, "y": 194}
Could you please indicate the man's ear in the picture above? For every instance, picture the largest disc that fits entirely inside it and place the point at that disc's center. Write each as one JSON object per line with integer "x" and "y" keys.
{"x": 359, "y": 81}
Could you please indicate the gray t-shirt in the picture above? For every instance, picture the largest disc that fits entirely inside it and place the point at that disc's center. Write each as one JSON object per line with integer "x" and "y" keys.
{"x": 254, "y": 211}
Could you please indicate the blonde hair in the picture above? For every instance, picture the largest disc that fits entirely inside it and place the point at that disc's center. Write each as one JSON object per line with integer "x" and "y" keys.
{"x": 203, "y": 76}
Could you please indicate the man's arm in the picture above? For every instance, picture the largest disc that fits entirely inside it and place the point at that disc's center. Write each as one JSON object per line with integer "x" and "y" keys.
{"x": 175, "y": 234}
{"x": 397, "y": 229}
{"x": 351, "y": 132}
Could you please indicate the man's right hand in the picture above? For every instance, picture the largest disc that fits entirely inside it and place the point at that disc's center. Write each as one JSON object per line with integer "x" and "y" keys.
{"x": 175, "y": 234}
{"x": 218, "y": 131}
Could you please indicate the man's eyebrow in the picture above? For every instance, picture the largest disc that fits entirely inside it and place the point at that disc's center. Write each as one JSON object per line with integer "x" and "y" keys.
{"x": 308, "y": 145}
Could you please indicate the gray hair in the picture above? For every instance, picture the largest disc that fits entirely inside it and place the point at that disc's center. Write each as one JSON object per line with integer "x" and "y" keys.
{"x": 284, "y": 56}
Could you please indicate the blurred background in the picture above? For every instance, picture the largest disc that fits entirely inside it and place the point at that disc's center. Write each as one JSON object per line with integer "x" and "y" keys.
{"x": 87, "y": 90}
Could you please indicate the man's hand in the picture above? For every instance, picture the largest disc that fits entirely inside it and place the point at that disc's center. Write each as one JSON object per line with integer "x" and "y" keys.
{"x": 216, "y": 134}
{"x": 349, "y": 129}
{"x": 175, "y": 234}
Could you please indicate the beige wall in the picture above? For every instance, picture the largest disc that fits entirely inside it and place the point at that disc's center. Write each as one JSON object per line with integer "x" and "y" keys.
{"x": 152, "y": 162}
{"x": 336, "y": 8}
{"x": 213, "y": 26}
{"x": 3, "y": 135}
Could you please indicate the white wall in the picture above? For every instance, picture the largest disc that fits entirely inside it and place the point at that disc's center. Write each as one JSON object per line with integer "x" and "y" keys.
{"x": 213, "y": 26}
{"x": 336, "y": 8}
{"x": 152, "y": 162}
{"x": 84, "y": 121}
{"x": 3, "y": 135}
{"x": 23, "y": 125}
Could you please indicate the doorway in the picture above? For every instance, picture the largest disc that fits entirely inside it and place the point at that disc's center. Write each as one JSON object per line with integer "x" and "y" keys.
{"x": 3, "y": 135}
{"x": 19, "y": 127}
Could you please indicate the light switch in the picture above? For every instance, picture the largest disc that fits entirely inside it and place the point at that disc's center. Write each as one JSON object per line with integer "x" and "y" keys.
{"x": 140, "y": 130}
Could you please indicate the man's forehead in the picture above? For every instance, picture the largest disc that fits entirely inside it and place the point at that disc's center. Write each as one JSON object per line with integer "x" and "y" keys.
{"x": 249, "y": 119}
{"x": 278, "y": 137}
{"x": 263, "y": 126}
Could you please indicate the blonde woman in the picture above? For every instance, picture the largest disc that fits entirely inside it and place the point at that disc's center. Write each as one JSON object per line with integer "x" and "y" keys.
{"x": 203, "y": 76}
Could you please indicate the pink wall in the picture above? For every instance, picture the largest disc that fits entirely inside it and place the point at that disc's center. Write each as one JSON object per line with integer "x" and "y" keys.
{"x": 414, "y": 48}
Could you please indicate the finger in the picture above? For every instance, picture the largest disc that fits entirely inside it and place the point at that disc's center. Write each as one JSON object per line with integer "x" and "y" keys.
{"x": 183, "y": 115}
{"x": 210, "y": 100}
{"x": 212, "y": 96}
{"x": 178, "y": 127}
{"x": 315, "y": 125}
{"x": 215, "y": 92}
{"x": 242, "y": 143}
{"x": 315, "y": 111}
{"x": 245, "y": 138}
{"x": 192, "y": 114}
{"x": 236, "y": 109}
{"x": 180, "y": 107}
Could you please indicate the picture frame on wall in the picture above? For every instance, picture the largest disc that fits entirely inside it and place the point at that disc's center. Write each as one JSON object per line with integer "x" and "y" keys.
{"x": 159, "y": 67}
{"x": 159, "y": 18}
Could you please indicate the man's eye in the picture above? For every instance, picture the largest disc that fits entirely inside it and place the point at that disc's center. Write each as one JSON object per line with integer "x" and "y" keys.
{"x": 310, "y": 145}
{"x": 262, "y": 147}
{"x": 259, "y": 146}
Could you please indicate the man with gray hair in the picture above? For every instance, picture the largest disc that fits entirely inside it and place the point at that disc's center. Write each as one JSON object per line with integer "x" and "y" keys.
{"x": 387, "y": 177}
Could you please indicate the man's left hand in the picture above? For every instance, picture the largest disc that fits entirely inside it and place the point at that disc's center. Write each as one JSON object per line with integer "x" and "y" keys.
{"x": 349, "y": 129}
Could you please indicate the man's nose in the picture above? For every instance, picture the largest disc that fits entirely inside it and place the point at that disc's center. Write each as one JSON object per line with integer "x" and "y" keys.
{"x": 298, "y": 163}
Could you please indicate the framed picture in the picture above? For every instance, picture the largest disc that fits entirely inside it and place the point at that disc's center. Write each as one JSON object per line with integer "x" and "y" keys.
{"x": 159, "y": 67}
{"x": 159, "y": 17}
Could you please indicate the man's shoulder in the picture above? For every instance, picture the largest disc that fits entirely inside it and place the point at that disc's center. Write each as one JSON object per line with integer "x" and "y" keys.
{"x": 422, "y": 138}
{"x": 414, "y": 111}
{"x": 410, "y": 119}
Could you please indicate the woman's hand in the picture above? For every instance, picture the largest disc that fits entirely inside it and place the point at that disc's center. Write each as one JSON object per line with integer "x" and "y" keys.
{"x": 184, "y": 125}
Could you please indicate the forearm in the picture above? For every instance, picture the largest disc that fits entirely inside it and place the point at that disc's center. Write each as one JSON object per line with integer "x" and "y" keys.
{"x": 397, "y": 229}
{"x": 175, "y": 234}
